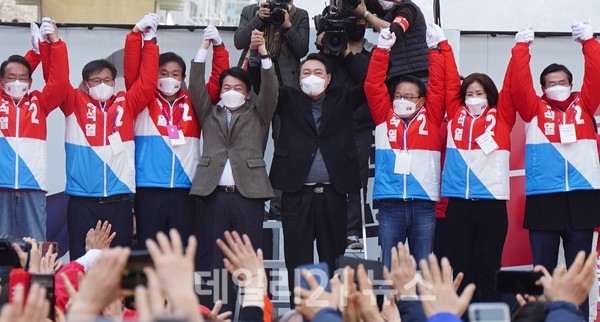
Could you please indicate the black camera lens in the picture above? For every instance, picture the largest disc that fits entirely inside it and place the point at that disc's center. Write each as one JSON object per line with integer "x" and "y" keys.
{"x": 277, "y": 17}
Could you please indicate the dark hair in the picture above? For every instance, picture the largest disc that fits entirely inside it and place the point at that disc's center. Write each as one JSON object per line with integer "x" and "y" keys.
{"x": 553, "y": 68}
{"x": 238, "y": 73}
{"x": 408, "y": 79}
{"x": 96, "y": 66}
{"x": 316, "y": 56}
{"x": 531, "y": 312}
{"x": 171, "y": 57}
{"x": 488, "y": 86}
{"x": 15, "y": 59}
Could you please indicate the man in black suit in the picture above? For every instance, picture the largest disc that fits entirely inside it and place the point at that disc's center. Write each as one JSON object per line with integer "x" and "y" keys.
{"x": 315, "y": 162}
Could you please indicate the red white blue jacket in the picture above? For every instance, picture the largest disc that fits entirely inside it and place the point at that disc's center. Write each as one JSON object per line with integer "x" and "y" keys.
{"x": 419, "y": 138}
{"x": 158, "y": 163}
{"x": 551, "y": 166}
{"x": 93, "y": 168}
{"x": 468, "y": 172}
{"x": 23, "y": 156}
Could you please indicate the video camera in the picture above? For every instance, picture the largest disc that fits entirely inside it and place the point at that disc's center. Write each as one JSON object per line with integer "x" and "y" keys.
{"x": 278, "y": 8}
{"x": 334, "y": 24}
{"x": 8, "y": 256}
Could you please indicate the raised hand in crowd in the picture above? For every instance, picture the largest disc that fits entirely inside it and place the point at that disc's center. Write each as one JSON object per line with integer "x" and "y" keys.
{"x": 316, "y": 298}
{"x": 403, "y": 272}
{"x": 100, "y": 236}
{"x": 365, "y": 297}
{"x": 148, "y": 26}
{"x": 211, "y": 32}
{"x": 48, "y": 262}
{"x": 523, "y": 299}
{"x": 525, "y": 35}
{"x": 35, "y": 309}
{"x": 29, "y": 260}
{"x": 389, "y": 310}
{"x": 573, "y": 285}
{"x": 386, "y": 39}
{"x": 582, "y": 30}
{"x": 438, "y": 293}
{"x": 174, "y": 269}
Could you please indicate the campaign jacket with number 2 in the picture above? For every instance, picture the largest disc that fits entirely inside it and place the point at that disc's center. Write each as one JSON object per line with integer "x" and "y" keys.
{"x": 470, "y": 173}
{"x": 23, "y": 157}
{"x": 419, "y": 138}
{"x": 550, "y": 165}
{"x": 96, "y": 167}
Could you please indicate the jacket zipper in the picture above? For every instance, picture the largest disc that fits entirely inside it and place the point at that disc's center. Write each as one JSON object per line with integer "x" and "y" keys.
{"x": 468, "y": 166}
{"x": 566, "y": 162}
{"x": 104, "y": 142}
{"x": 17, "y": 148}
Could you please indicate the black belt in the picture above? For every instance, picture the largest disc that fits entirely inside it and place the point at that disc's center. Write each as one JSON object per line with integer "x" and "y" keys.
{"x": 113, "y": 199}
{"x": 227, "y": 188}
{"x": 318, "y": 188}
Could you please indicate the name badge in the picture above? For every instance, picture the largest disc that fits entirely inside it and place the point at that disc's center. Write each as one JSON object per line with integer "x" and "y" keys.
{"x": 567, "y": 133}
{"x": 487, "y": 143}
{"x": 180, "y": 140}
{"x": 172, "y": 132}
{"x": 402, "y": 164}
{"x": 116, "y": 144}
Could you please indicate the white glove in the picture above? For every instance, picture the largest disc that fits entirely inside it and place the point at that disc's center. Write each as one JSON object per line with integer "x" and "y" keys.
{"x": 525, "y": 35}
{"x": 387, "y": 39}
{"x": 148, "y": 25}
{"x": 211, "y": 32}
{"x": 439, "y": 31}
{"x": 46, "y": 29}
{"x": 582, "y": 31}
{"x": 431, "y": 36}
{"x": 36, "y": 37}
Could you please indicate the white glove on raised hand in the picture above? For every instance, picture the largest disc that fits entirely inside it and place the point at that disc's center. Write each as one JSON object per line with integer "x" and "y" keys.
{"x": 36, "y": 37}
{"x": 46, "y": 29}
{"x": 582, "y": 31}
{"x": 432, "y": 36}
{"x": 211, "y": 32}
{"x": 387, "y": 39}
{"x": 148, "y": 25}
{"x": 525, "y": 35}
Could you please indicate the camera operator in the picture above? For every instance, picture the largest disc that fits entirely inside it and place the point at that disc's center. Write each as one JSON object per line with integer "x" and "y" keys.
{"x": 286, "y": 40}
{"x": 409, "y": 54}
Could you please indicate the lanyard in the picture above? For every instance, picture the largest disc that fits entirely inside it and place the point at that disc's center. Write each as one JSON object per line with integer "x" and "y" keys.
{"x": 169, "y": 116}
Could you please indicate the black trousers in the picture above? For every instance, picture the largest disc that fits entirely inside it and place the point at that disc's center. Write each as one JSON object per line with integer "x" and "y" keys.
{"x": 477, "y": 230}
{"x": 441, "y": 243}
{"x": 229, "y": 211}
{"x": 307, "y": 215}
{"x": 84, "y": 212}
{"x": 364, "y": 140}
{"x": 160, "y": 209}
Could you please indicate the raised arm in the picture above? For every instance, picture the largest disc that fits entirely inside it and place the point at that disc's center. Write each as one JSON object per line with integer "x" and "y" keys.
{"x": 436, "y": 87}
{"x": 378, "y": 97}
{"x": 198, "y": 93}
{"x": 523, "y": 95}
{"x": 506, "y": 107}
{"x": 452, "y": 80}
{"x": 249, "y": 20}
{"x": 132, "y": 58}
{"x": 590, "y": 90}
{"x": 142, "y": 90}
{"x": 57, "y": 84}
{"x": 220, "y": 62}
{"x": 269, "y": 86}
{"x": 296, "y": 34}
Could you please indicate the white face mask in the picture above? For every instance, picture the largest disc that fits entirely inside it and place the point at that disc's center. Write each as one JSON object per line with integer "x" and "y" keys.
{"x": 233, "y": 99}
{"x": 558, "y": 93}
{"x": 168, "y": 85}
{"x": 16, "y": 89}
{"x": 404, "y": 108}
{"x": 476, "y": 105}
{"x": 312, "y": 85}
{"x": 102, "y": 92}
{"x": 386, "y": 5}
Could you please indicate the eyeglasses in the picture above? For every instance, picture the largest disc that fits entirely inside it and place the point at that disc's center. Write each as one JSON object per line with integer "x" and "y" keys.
{"x": 97, "y": 81}
{"x": 408, "y": 97}
{"x": 10, "y": 79}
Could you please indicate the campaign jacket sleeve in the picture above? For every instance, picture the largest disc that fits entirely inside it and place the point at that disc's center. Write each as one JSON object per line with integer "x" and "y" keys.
{"x": 267, "y": 95}
{"x": 523, "y": 94}
{"x": 452, "y": 79}
{"x": 198, "y": 93}
{"x": 254, "y": 70}
{"x": 142, "y": 90}
{"x": 506, "y": 107}
{"x": 72, "y": 271}
{"x": 55, "y": 90}
{"x": 33, "y": 58}
{"x": 357, "y": 65}
{"x": 249, "y": 21}
{"x": 220, "y": 63}
{"x": 435, "y": 99}
{"x": 132, "y": 58}
{"x": 297, "y": 36}
{"x": 590, "y": 95}
{"x": 378, "y": 97}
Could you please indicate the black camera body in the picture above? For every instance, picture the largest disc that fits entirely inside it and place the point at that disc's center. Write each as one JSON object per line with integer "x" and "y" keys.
{"x": 8, "y": 256}
{"x": 278, "y": 8}
{"x": 334, "y": 24}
